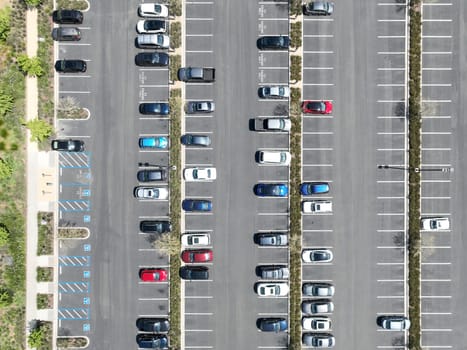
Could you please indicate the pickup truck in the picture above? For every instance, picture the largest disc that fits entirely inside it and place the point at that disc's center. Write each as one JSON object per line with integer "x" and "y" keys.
{"x": 272, "y": 124}
{"x": 197, "y": 74}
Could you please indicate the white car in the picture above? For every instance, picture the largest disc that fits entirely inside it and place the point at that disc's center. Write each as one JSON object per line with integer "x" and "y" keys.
{"x": 153, "y": 10}
{"x": 274, "y": 157}
{"x": 316, "y": 324}
{"x": 153, "y": 41}
{"x": 151, "y": 192}
{"x": 274, "y": 91}
{"x": 196, "y": 239}
{"x": 272, "y": 289}
{"x": 151, "y": 26}
{"x": 316, "y": 206}
{"x": 435, "y": 224}
{"x": 394, "y": 322}
{"x": 317, "y": 255}
{"x": 200, "y": 174}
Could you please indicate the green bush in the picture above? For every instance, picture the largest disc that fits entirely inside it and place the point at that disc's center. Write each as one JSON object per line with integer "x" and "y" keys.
{"x": 45, "y": 274}
{"x": 175, "y": 8}
{"x": 32, "y": 66}
{"x": 72, "y": 4}
{"x": 295, "y": 7}
{"x": 33, "y": 3}
{"x": 44, "y": 301}
{"x": 175, "y": 35}
{"x": 295, "y": 68}
{"x": 40, "y": 129}
{"x": 175, "y": 64}
{"x": 45, "y": 238}
{"x": 296, "y": 34}
{"x": 5, "y": 23}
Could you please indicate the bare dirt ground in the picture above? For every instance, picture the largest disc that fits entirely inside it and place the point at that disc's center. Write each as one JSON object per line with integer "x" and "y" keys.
{"x": 4, "y": 3}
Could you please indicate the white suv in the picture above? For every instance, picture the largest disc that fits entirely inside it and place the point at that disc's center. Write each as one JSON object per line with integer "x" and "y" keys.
{"x": 274, "y": 157}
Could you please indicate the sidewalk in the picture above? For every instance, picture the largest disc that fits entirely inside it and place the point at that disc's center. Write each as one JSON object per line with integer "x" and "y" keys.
{"x": 41, "y": 196}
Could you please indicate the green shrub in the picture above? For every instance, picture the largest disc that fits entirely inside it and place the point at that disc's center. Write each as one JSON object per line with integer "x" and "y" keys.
{"x": 45, "y": 274}
{"x": 44, "y": 301}
{"x": 5, "y": 23}
{"x": 32, "y": 66}
{"x": 175, "y": 64}
{"x": 72, "y": 4}
{"x": 40, "y": 129}
{"x": 295, "y": 68}
{"x": 33, "y": 3}
{"x": 175, "y": 35}
{"x": 175, "y": 8}
{"x": 296, "y": 34}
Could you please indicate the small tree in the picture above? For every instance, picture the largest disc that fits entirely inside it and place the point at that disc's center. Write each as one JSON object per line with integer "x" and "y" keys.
{"x": 6, "y": 169}
{"x": 167, "y": 244}
{"x": 6, "y": 103}
{"x": 5, "y": 16}
{"x": 40, "y": 129}
{"x": 33, "y": 3}
{"x": 4, "y": 236}
{"x": 32, "y": 66}
{"x": 6, "y": 297}
{"x": 37, "y": 337}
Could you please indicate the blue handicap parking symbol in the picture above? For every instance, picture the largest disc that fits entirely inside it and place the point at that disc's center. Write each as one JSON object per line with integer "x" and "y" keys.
{"x": 87, "y": 247}
{"x": 86, "y": 301}
{"x": 87, "y": 218}
{"x": 86, "y": 274}
{"x": 86, "y": 327}
{"x": 86, "y": 193}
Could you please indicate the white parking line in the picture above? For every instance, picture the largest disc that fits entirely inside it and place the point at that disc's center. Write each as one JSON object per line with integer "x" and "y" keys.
{"x": 390, "y": 85}
{"x": 198, "y": 347}
{"x": 390, "y": 181}
{"x": 436, "y": 101}
{"x": 436, "y": 149}
{"x": 323, "y": 84}
{"x": 436, "y": 313}
{"x": 436, "y": 36}
{"x": 391, "y": 149}
{"x": 436, "y": 4}
{"x": 390, "y": 297}
{"x": 436, "y": 133}
{"x": 317, "y": 230}
{"x": 198, "y": 148}
{"x": 436, "y": 330}
{"x": 152, "y": 299}
{"x": 391, "y": 20}
{"x": 436, "y": 263}
{"x": 391, "y": 101}
{"x": 436, "y": 53}
{"x": 389, "y": 230}
{"x": 391, "y": 133}
{"x": 318, "y": 68}
{"x": 389, "y": 263}
{"x": 317, "y": 165}
{"x": 199, "y": 51}
{"x": 201, "y": 35}
{"x": 306, "y": 19}
{"x": 73, "y": 76}
{"x": 271, "y": 313}
{"x": 317, "y": 149}
{"x": 197, "y": 164}
{"x": 199, "y": 313}
{"x": 391, "y": 36}
{"x": 436, "y": 280}
{"x": 198, "y": 19}
{"x": 390, "y": 280}
{"x": 273, "y": 214}
{"x": 318, "y": 133}
{"x": 391, "y": 69}
{"x": 198, "y": 330}
{"x": 436, "y": 297}
{"x": 436, "y": 197}
{"x": 436, "y": 85}
{"x": 436, "y": 117}
{"x": 389, "y": 117}
{"x": 318, "y": 36}
{"x": 391, "y": 53}
{"x": 389, "y": 197}
{"x": 438, "y": 69}
{"x": 323, "y": 52}
{"x": 391, "y": 214}
{"x": 74, "y": 92}
{"x": 389, "y": 247}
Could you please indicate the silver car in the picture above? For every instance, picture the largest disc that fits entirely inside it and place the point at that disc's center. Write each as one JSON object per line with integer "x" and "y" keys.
{"x": 319, "y": 306}
{"x": 318, "y": 289}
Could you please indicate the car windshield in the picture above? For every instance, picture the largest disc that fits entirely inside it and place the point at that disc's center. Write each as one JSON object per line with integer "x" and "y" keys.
{"x": 153, "y": 25}
{"x": 195, "y": 173}
{"x": 156, "y": 276}
{"x": 316, "y": 106}
{"x": 281, "y": 91}
{"x": 160, "y": 40}
{"x": 157, "y": 8}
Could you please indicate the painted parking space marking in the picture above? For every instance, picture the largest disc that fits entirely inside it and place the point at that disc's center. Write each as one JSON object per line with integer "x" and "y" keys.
{"x": 74, "y": 260}
{"x": 73, "y": 287}
{"x": 74, "y": 160}
{"x": 74, "y": 313}
{"x": 74, "y": 205}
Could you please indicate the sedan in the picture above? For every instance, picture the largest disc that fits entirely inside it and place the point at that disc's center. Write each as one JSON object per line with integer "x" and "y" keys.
{"x": 271, "y": 239}
{"x": 67, "y": 17}
{"x": 196, "y": 205}
{"x": 196, "y": 239}
{"x": 318, "y": 8}
{"x": 155, "y": 226}
{"x": 309, "y": 188}
{"x": 274, "y": 91}
{"x": 67, "y": 145}
{"x": 149, "y": 175}
{"x": 152, "y": 341}
{"x": 160, "y": 59}
{"x": 273, "y": 157}
{"x": 272, "y": 324}
{"x": 318, "y": 340}
{"x": 317, "y": 107}
{"x": 161, "y": 142}
{"x": 318, "y": 289}
{"x": 271, "y": 190}
{"x": 151, "y": 192}
{"x": 194, "y": 272}
{"x": 196, "y": 140}
{"x": 197, "y": 256}
{"x": 151, "y": 26}
{"x": 435, "y": 224}
{"x": 272, "y": 289}
{"x": 199, "y": 174}
{"x": 159, "y": 108}
{"x": 393, "y": 322}
{"x": 153, "y": 325}
{"x": 70, "y": 66}
{"x": 317, "y": 255}
{"x": 280, "y": 42}
{"x": 153, "y": 275}
{"x": 319, "y": 306}
{"x": 153, "y": 10}
{"x": 194, "y": 107}
{"x": 66, "y": 34}
{"x": 273, "y": 272}
{"x": 316, "y": 324}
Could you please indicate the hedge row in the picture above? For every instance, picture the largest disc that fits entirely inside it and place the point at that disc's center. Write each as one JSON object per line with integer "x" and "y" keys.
{"x": 414, "y": 177}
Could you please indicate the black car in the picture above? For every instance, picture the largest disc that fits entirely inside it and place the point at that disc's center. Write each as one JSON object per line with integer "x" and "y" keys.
{"x": 148, "y": 175}
{"x": 152, "y": 59}
{"x": 194, "y": 272}
{"x": 67, "y": 145}
{"x": 271, "y": 239}
{"x": 318, "y": 8}
{"x": 67, "y": 17}
{"x": 159, "y": 108}
{"x": 196, "y": 140}
{"x": 66, "y": 34}
{"x": 155, "y": 226}
{"x": 152, "y": 341}
{"x": 280, "y": 42}
{"x": 70, "y": 66}
{"x": 273, "y": 324}
{"x": 153, "y": 325}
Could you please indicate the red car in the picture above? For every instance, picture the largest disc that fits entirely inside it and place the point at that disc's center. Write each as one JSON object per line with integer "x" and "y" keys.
{"x": 197, "y": 256}
{"x": 153, "y": 275}
{"x": 317, "y": 107}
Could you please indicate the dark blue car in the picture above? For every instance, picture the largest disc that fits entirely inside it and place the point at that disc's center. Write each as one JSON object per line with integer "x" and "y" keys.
{"x": 271, "y": 190}
{"x": 152, "y": 341}
{"x": 309, "y": 188}
{"x": 273, "y": 324}
{"x": 196, "y": 205}
{"x": 160, "y": 108}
